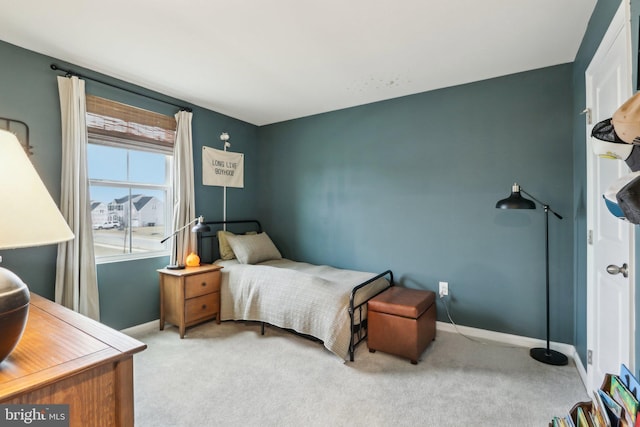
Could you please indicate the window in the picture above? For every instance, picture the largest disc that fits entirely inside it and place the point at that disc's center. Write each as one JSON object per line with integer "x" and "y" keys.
{"x": 129, "y": 160}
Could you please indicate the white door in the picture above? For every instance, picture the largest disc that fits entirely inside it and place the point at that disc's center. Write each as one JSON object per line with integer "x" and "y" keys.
{"x": 610, "y": 297}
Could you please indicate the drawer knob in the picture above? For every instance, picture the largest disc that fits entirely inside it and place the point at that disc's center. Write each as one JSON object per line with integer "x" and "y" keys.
{"x": 204, "y": 306}
{"x": 204, "y": 284}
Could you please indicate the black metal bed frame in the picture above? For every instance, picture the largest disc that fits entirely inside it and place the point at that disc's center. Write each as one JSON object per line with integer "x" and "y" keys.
{"x": 358, "y": 324}
{"x": 356, "y": 329}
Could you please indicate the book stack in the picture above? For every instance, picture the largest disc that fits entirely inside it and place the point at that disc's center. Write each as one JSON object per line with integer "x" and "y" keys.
{"x": 615, "y": 404}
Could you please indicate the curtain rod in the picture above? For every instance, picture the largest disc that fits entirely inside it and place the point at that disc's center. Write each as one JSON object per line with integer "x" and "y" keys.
{"x": 69, "y": 73}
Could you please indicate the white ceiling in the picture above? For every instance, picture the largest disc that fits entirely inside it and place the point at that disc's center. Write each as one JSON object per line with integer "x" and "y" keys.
{"x": 268, "y": 61}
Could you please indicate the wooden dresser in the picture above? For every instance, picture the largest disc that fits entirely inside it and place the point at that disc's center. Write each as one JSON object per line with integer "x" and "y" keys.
{"x": 189, "y": 296}
{"x": 66, "y": 358}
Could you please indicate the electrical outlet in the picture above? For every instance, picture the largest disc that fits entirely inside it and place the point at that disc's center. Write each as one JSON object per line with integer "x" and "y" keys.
{"x": 444, "y": 289}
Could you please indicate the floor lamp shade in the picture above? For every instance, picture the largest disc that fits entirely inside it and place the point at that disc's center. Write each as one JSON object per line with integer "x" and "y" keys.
{"x": 516, "y": 201}
{"x": 29, "y": 217}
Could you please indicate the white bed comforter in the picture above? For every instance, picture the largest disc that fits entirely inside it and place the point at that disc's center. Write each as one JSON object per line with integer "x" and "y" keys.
{"x": 310, "y": 299}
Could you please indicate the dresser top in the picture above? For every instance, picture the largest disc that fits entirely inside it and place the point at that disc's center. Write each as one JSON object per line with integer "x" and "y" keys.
{"x": 56, "y": 343}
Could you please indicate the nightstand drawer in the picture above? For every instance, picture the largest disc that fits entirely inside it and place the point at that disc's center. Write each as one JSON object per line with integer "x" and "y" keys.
{"x": 200, "y": 307}
{"x": 200, "y": 284}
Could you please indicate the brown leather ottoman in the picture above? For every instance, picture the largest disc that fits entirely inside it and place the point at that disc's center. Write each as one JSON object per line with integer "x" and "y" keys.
{"x": 402, "y": 321}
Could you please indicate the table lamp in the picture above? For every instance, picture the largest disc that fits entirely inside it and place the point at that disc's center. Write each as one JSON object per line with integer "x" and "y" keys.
{"x": 29, "y": 217}
{"x": 200, "y": 227}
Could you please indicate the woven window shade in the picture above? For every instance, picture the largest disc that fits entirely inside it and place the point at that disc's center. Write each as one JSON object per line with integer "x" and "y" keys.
{"x": 115, "y": 122}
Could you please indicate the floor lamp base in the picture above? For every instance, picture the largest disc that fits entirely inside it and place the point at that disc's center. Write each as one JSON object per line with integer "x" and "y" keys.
{"x": 548, "y": 356}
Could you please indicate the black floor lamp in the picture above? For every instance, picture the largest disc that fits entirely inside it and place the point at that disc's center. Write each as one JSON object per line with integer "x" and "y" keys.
{"x": 516, "y": 201}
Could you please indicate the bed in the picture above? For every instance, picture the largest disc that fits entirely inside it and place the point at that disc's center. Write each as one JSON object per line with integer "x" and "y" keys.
{"x": 258, "y": 284}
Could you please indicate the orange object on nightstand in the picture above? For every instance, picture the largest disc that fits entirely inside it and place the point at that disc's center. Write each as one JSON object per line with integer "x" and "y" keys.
{"x": 192, "y": 260}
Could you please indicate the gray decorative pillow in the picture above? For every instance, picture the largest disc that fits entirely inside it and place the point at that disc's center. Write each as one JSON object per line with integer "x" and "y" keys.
{"x": 225, "y": 250}
{"x": 252, "y": 249}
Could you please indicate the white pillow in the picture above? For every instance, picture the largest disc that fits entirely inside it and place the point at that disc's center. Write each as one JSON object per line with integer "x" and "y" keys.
{"x": 252, "y": 249}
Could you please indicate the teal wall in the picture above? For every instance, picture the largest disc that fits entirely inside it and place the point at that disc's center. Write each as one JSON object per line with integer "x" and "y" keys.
{"x": 128, "y": 290}
{"x": 411, "y": 184}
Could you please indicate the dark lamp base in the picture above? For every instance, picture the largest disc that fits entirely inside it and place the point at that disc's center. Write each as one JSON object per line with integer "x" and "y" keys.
{"x": 14, "y": 309}
{"x": 12, "y": 324}
{"x": 550, "y": 357}
{"x": 175, "y": 267}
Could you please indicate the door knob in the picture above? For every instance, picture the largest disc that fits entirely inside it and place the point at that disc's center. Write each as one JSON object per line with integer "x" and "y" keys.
{"x": 614, "y": 269}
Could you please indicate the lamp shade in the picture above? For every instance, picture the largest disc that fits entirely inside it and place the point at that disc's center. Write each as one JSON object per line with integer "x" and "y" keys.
{"x": 200, "y": 227}
{"x": 29, "y": 216}
{"x": 515, "y": 200}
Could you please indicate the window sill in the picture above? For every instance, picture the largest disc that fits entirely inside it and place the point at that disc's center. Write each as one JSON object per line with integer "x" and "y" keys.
{"x": 131, "y": 257}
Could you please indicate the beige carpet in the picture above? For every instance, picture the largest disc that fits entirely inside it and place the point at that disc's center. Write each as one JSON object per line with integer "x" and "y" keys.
{"x": 230, "y": 375}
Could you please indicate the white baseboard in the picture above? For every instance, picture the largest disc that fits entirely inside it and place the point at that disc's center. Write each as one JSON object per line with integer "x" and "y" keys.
{"x": 581, "y": 370}
{"x": 501, "y": 337}
{"x": 516, "y": 340}
{"x": 143, "y": 328}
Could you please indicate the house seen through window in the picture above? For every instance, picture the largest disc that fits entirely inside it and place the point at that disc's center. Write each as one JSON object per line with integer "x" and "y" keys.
{"x": 129, "y": 165}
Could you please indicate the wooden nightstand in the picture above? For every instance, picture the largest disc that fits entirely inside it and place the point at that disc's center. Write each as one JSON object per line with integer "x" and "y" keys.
{"x": 189, "y": 296}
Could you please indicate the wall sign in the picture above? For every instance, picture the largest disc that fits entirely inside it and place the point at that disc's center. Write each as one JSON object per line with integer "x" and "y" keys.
{"x": 222, "y": 168}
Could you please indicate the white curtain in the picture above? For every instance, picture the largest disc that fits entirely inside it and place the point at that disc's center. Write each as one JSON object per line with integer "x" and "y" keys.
{"x": 183, "y": 188}
{"x": 76, "y": 279}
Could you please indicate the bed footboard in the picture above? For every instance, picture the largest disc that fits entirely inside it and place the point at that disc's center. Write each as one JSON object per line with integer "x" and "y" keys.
{"x": 359, "y": 330}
